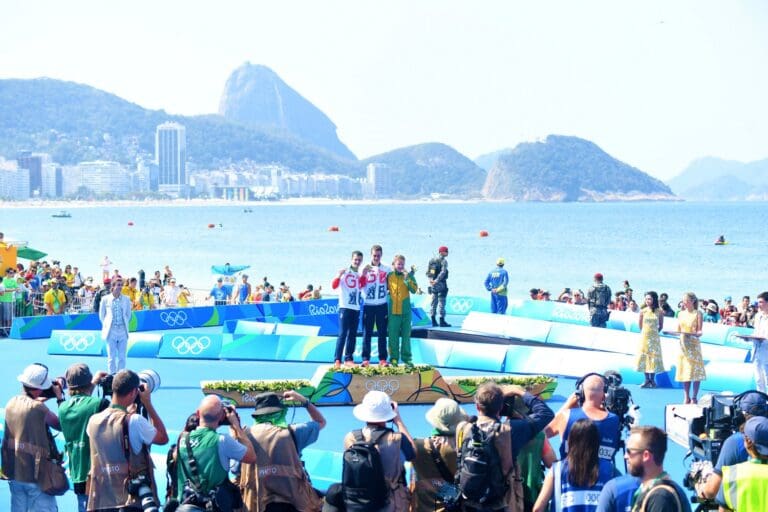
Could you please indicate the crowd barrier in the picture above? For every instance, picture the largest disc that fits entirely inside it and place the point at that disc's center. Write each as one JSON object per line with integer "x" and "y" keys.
{"x": 323, "y": 313}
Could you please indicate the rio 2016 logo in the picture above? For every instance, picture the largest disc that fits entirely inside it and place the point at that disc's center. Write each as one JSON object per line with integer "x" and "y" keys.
{"x": 325, "y": 309}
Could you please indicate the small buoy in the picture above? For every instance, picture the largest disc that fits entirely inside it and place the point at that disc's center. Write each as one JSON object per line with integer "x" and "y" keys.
{"x": 483, "y": 233}
{"x": 130, "y": 223}
{"x": 333, "y": 228}
{"x": 211, "y": 226}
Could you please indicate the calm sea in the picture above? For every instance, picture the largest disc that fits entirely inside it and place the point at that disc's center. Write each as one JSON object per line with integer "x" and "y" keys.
{"x": 661, "y": 246}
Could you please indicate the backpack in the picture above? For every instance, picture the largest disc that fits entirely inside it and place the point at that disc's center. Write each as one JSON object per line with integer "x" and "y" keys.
{"x": 602, "y": 296}
{"x": 362, "y": 477}
{"x": 479, "y": 475}
{"x": 434, "y": 268}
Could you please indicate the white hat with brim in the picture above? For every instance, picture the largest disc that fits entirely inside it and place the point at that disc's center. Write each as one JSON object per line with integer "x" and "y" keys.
{"x": 445, "y": 415}
{"x": 35, "y": 376}
{"x": 376, "y": 407}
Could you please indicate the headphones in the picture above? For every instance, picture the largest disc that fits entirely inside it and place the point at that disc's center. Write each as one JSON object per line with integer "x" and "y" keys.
{"x": 580, "y": 385}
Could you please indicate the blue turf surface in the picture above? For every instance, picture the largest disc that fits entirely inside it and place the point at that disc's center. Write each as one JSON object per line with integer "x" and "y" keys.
{"x": 180, "y": 393}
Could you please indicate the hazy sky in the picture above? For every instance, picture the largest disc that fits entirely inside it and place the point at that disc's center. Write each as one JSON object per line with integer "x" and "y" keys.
{"x": 654, "y": 83}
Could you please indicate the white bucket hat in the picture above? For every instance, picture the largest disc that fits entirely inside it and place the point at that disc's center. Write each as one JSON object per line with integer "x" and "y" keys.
{"x": 35, "y": 376}
{"x": 445, "y": 415}
{"x": 376, "y": 407}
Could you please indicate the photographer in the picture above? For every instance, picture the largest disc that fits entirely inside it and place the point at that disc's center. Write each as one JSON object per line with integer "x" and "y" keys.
{"x": 212, "y": 453}
{"x": 434, "y": 464}
{"x": 74, "y": 415}
{"x": 25, "y": 439}
{"x": 733, "y": 450}
{"x": 277, "y": 480}
{"x": 119, "y": 442}
{"x": 591, "y": 390}
{"x": 511, "y": 436}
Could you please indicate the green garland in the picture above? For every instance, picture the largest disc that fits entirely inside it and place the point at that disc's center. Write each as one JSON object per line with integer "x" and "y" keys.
{"x": 260, "y": 386}
{"x": 518, "y": 380}
{"x": 374, "y": 370}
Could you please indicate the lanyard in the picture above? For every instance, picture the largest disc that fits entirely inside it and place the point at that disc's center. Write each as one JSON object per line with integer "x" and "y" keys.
{"x": 645, "y": 488}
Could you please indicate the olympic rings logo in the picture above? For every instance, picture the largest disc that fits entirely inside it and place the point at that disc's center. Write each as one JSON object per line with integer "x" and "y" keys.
{"x": 461, "y": 305}
{"x": 190, "y": 344}
{"x": 77, "y": 343}
{"x": 387, "y": 386}
{"x": 173, "y": 318}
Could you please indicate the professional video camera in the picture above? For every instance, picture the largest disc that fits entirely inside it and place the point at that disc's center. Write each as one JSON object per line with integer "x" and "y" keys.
{"x": 618, "y": 399}
{"x": 141, "y": 488}
{"x": 148, "y": 378}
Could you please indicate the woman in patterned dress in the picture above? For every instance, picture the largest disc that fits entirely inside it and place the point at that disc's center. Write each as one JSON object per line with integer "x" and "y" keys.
{"x": 690, "y": 366}
{"x": 651, "y": 321}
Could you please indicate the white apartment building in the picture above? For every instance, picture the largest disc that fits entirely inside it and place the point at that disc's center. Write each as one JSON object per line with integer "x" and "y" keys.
{"x": 105, "y": 177}
{"x": 14, "y": 181}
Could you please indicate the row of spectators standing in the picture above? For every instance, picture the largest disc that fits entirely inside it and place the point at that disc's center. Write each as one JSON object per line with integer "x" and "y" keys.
{"x": 224, "y": 292}
{"x": 107, "y": 444}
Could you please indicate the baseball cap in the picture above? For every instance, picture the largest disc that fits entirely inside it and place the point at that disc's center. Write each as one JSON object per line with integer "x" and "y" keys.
{"x": 442, "y": 248}
{"x": 78, "y": 376}
{"x": 727, "y": 297}
{"x": 35, "y": 376}
{"x": 107, "y": 280}
{"x": 220, "y": 280}
{"x": 500, "y": 262}
{"x": 754, "y": 404}
{"x": 598, "y": 275}
{"x": 756, "y": 429}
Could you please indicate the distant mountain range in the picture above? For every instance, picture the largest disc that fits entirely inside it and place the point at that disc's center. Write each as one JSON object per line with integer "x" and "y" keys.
{"x": 715, "y": 179}
{"x": 264, "y": 121}
{"x": 568, "y": 169}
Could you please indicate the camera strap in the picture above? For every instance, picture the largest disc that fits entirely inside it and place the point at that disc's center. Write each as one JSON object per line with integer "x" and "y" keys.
{"x": 194, "y": 475}
{"x": 440, "y": 464}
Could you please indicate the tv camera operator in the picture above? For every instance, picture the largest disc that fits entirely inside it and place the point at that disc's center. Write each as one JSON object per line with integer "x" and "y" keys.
{"x": 203, "y": 459}
{"x": 73, "y": 416}
{"x": 26, "y": 439}
{"x": 121, "y": 468}
{"x": 599, "y": 398}
{"x": 733, "y": 451}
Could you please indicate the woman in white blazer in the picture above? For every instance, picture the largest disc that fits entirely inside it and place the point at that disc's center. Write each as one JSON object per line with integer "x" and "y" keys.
{"x": 115, "y": 314}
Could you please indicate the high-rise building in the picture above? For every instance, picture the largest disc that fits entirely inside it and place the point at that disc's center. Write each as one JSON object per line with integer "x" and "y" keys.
{"x": 34, "y": 163}
{"x": 171, "y": 157}
{"x": 52, "y": 181}
{"x": 14, "y": 181}
{"x": 378, "y": 181}
{"x": 103, "y": 177}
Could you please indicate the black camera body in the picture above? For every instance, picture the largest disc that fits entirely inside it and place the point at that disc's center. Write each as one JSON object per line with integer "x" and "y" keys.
{"x": 224, "y": 418}
{"x": 59, "y": 382}
{"x": 140, "y": 487}
{"x": 450, "y": 495}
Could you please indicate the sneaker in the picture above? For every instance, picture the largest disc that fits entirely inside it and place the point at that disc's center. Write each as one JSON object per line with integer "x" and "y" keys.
{"x": 350, "y": 364}
{"x": 383, "y": 362}
{"x": 337, "y": 364}
{"x": 393, "y": 362}
{"x": 365, "y": 364}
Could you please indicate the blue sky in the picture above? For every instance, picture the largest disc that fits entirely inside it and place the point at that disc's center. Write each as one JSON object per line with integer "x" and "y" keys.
{"x": 654, "y": 83}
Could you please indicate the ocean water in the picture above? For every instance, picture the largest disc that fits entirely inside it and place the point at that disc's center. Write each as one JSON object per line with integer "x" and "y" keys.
{"x": 660, "y": 246}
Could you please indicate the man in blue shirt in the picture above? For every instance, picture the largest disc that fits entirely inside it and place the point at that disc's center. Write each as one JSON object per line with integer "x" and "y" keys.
{"x": 220, "y": 293}
{"x": 496, "y": 282}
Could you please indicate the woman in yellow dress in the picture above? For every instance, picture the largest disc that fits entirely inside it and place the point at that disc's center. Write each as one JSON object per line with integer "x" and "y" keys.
{"x": 690, "y": 366}
{"x": 651, "y": 322}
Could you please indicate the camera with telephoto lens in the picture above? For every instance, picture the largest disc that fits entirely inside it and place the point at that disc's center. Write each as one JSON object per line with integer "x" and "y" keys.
{"x": 140, "y": 487}
{"x": 147, "y": 378}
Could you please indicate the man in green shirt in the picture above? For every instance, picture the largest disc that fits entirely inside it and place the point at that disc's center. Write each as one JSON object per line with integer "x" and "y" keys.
{"x": 8, "y": 287}
{"x": 73, "y": 416}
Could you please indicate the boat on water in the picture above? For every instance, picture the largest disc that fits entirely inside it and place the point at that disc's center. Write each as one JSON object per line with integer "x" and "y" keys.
{"x": 62, "y": 215}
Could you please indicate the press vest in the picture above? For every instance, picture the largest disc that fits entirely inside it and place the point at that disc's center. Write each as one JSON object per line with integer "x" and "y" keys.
{"x": 205, "y": 449}
{"x": 74, "y": 415}
{"x": 428, "y": 478}
{"x": 745, "y": 486}
{"x": 609, "y": 433}
{"x": 389, "y": 450}
{"x": 513, "y": 499}
{"x": 571, "y": 498}
{"x": 109, "y": 466}
{"x": 278, "y": 475}
{"x": 25, "y": 439}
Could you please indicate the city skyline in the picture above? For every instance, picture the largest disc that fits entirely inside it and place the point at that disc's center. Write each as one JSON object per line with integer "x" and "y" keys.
{"x": 655, "y": 84}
